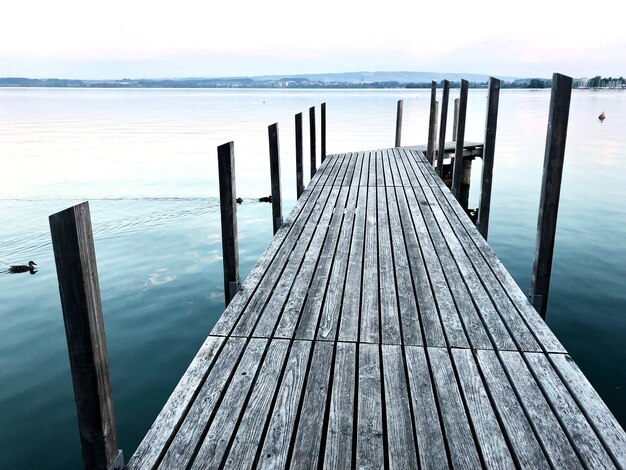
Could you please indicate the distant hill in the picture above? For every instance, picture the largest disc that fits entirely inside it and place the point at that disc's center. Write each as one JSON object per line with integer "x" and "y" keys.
{"x": 372, "y": 77}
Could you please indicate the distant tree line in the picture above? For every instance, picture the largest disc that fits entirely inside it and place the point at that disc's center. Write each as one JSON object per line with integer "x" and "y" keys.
{"x": 603, "y": 82}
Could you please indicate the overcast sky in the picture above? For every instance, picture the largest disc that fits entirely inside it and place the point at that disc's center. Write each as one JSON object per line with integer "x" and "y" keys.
{"x": 187, "y": 38}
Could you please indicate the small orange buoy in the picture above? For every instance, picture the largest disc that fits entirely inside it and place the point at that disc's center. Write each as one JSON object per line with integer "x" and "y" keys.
{"x": 602, "y": 117}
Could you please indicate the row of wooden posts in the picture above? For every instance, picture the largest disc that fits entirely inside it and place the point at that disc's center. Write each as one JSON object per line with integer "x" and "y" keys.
{"x": 74, "y": 253}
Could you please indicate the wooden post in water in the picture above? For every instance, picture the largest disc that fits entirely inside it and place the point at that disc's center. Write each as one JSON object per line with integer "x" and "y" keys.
{"x": 442, "y": 127}
{"x": 75, "y": 258}
{"x": 277, "y": 205}
{"x": 323, "y": 132}
{"x": 312, "y": 135}
{"x": 455, "y": 122}
{"x": 228, "y": 209}
{"x": 489, "y": 148}
{"x": 550, "y": 190}
{"x": 457, "y": 170}
{"x": 432, "y": 123}
{"x": 399, "y": 123}
{"x": 299, "y": 154}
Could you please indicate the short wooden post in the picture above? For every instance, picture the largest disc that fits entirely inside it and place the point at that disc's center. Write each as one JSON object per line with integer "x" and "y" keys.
{"x": 312, "y": 135}
{"x": 432, "y": 123}
{"x": 489, "y": 148}
{"x": 442, "y": 127}
{"x": 299, "y": 154}
{"x": 75, "y": 257}
{"x": 457, "y": 169}
{"x": 228, "y": 209}
{"x": 550, "y": 190}
{"x": 399, "y": 123}
{"x": 277, "y": 205}
{"x": 323, "y": 132}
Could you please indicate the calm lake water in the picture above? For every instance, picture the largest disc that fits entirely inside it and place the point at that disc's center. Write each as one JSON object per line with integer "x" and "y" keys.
{"x": 146, "y": 161}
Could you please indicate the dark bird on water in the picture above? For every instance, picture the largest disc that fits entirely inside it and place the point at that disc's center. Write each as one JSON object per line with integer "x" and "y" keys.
{"x": 602, "y": 117}
{"x": 20, "y": 268}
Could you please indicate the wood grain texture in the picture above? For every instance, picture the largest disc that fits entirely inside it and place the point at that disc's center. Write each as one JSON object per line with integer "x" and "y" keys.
{"x": 313, "y": 157}
{"x": 228, "y": 213}
{"x": 432, "y": 122}
{"x": 277, "y": 201}
{"x": 442, "y": 126}
{"x": 399, "y": 123}
{"x": 457, "y": 169}
{"x": 299, "y": 156}
{"x": 369, "y": 425}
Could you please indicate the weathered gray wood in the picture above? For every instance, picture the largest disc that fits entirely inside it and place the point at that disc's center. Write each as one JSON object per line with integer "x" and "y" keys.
{"x": 274, "y": 452}
{"x": 77, "y": 273}
{"x": 312, "y": 140}
{"x": 228, "y": 211}
{"x": 277, "y": 201}
{"x": 442, "y": 126}
{"x": 299, "y": 155}
{"x": 369, "y": 425}
{"x": 457, "y": 169}
{"x": 455, "y": 122}
{"x": 399, "y": 123}
{"x": 323, "y": 132}
{"x": 250, "y": 429}
{"x": 401, "y": 451}
{"x": 338, "y": 451}
{"x": 370, "y": 316}
{"x": 489, "y": 148}
{"x": 550, "y": 190}
{"x": 432, "y": 122}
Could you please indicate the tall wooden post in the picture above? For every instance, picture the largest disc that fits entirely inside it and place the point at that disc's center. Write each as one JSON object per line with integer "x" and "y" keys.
{"x": 432, "y": 122}
{"x": 277, "y": 204}
{"x": 442, "y": 127}
{"x": 457, "y": 169}
{"x": 312, "y": 135}
{"x": 323, "y": 132}
{"x": 399, "y": 123}
{"x": 299, "y": 154}
{"x": 550, "y": 190}
{"x": 228, "y": 209}
{"x": 455, "y": 122}
{"x": 75, "y": 258}
{"x": 489, "y": 148}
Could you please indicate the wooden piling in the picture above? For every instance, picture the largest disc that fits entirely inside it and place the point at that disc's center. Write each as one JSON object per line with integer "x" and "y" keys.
{"x": 313, "y": 144}
{"x": 457, "y": 169}
{"x": 442, "y": 127}
{"x": 323, "y": 132}
{"x": 299, "y": 155}
{"x": 399, "y": 123}
{"x": 550, "y": 190}
{"x": 75, "y": 258}
{"x": 491, "y": 123}
{"x": 455, "y": 122}
{"x": 228, "y": 209}
{"x": 277, "y": 206}
{"x": 432, "y": 123}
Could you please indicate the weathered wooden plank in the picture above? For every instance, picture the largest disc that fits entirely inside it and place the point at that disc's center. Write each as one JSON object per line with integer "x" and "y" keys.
{"x": 365, "y": 169}
{"x": 398, "y": 156}
{"x": 250, "y": 429}
{"x": 358, "y": 168}
{"x": 575, "y": 425}
{"x": 491, "y": 442}
{"x": 380, "y": 170}
{"x": 430, "y": 440}
{"x": 547, "y": 428}
{"x": 370, "y": 315}
{"x": 274, "y": 452}
{"x": 352, "y": 160}
{"x": 600, "y": 417}
{"x": 461, "y": 446}
{"x": 170, "y": 417}
{"x": 372, "y": 179}
{"x": 338, "y": 450}
{"x": 189, "y": 435}
{"x": 401, "y": 451}
{"x": 369, "y": 425}
{"x": 306, "y": 450}
{"x": 392, "y": 174}
{"x": 224, "y": 422}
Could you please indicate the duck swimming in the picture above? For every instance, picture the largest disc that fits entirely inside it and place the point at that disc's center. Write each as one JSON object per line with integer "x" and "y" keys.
{"x": 602, "y": 117}
{"x": 20, "y": 268}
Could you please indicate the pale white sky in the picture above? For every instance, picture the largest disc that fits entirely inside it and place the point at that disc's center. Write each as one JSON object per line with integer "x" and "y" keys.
{"x": 185, "y": 38}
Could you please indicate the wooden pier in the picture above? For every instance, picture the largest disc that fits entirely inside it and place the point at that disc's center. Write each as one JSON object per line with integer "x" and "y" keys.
{"x": 379, "y": 330}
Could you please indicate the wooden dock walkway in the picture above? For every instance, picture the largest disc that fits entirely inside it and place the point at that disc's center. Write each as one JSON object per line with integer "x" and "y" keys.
{"x": 379, "y": 330}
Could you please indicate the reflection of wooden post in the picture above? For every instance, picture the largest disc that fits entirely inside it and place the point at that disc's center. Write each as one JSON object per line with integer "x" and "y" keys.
{"x": 75, "y": 257}
{"x": 489, "y": 148}
{"x": 299, "y": 172}
{"x": 323, "y": 132}
{"x": 550, "y": 190}
{"x": 432, "y": 122}
{"x": 457, "y": 169}
{"x": 442, "y": 127}
{"x": 399, "y": 123}
{"x": 277, "y": 204}
{"x": 455, "y": 122}
{"x": 312, "y": 135}
{"x": 228, "y": 209}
